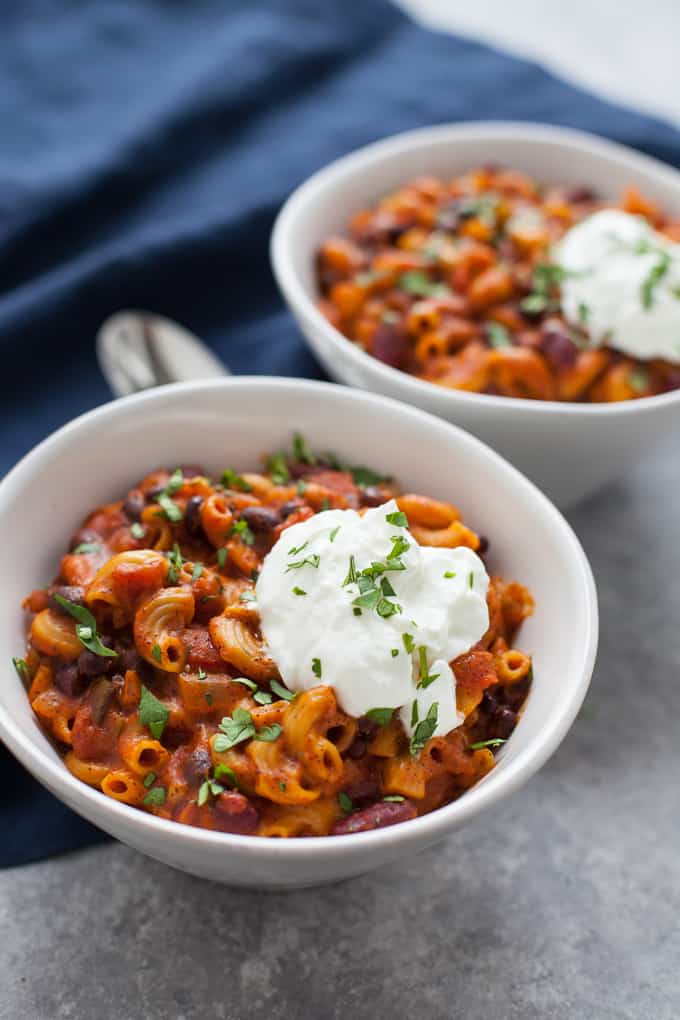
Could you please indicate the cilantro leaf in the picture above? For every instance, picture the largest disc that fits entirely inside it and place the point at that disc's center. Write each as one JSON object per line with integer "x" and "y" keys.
{"x": 86, "y": 627}
{"x": 152, "y": 713}
{"x": 424, "y": 729}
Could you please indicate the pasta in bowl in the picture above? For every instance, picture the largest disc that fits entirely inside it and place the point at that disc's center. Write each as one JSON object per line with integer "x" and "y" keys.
{"x": 153, "y": 659}
{"x": 155, "y": 677}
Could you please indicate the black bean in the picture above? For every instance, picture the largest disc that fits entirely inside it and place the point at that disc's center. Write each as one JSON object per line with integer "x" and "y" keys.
{"x": 357, "y": 749}
{"x": 375, "y": 816}
{"x": 198, "y": 765}
{"x": 504, "y": 722}
{"x": 366, "y": 727}
{"x": 71, "y": 592}
{"x": 68, "y": 680}
{"x": 129, "y": 658}
{"x": 261, "y": 518}
{"x": 134, "y": 504}
{"x": 85, "y": 536}
{"x": 557, "y": 344}
{"x": 483, "y": 545}
{"x": 192, "y": 515}
{"x": 152, "y": 494}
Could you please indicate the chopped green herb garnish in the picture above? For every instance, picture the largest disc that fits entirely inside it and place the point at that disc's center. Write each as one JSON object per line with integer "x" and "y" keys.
{"x": 419, "y": 283}
{"x": 394, "y": 799}
{"x": 241, "y": 529}
{"x": 381, "y": 716}
{"x": 170, "y": 509}
{"x": 282, "y": 786}
{"x": 325, "y": 503}
{"x": 312, "y": 560}
{"x": 423, "y": 729}
{"x": 247, "y": 596}
{"x": 345, "y": 802}
{"x": 297, "y": 549}
{"x": 301, "y": 486}
{"x": 197, "y": 571}
{"x": 534, "y": 304}
{"x": 175, "y": 560}
{"x": 351, "y": 573}
{"x": 156, "y": 653}
{"x": 409, "y": 643}
{"x": 394, "y": 652}
{"x": 202, "y": 675}
{"x": 207, "y": 789}
{"x": 299, "y": 591}
{"x": 209, "y": 698}
{"x": 449, "y": 573}
{"x": 654, "y": 277}
{"x": 356, "y": 611}
{"x": 316, "y": 667}
{"x": 230, "y": 480}
{"x": 221, "y": 556}
{"x": 494, "y": 742}
{"x": 234, "y": 730}
{"x": 175, "y": 483}
{"x": 497, "y": 335}
{"x": 92, "y": 547}
{"x": 149, "y": 779}
{"x": 398, "y": 518}
{"x": 137, "y": 530}
{"x": 281, "y": 691}
{"x": 471, "y": 579}
{"x": 225, "y": 771}
{"x": 250, "y": 684}
{"x": 424, "y": 678}
{"x": 269, "y": 733}
{"x": 262, "y": 698}
{"x": 639, "y": 379}
{"x": 583, "y": 312}
{"x": 278, "y": 469}
{"x": 86, "y": 627}
{"x": 22, "y": 669}
{"x": 301, "y": 450}
{"x": 152, "y": 713}
{"x": 336, "y": 529}
{"x": 364, "y": 476}
{"x": 155, "y": 797}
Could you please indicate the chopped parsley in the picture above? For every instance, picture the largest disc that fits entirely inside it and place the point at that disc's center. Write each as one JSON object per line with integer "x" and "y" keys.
{"x": 301, "y": 486}
{"x": 234, "y": 729}
{"x": 297, "y": 549}
{"x": 152, "y": 713}
{"x": 423, "y": 729}
{"x": 316, "y": 668}
{"x": 381, "y": 716}
{"x": 345, "y": 802}
{"x": 336, "y": 529}
{"x": 364, "y": 476}
{"x": 247, "y": 596}
{"x": 394, "y": 799}
{"x": 221, "y": 556}
{"x": 278, "y": 469}
{"x": 241, "y": 529}
{"x": 281, "y": 691}
{"x": 250, "y": 684}
{"x": 263, "y": 698}
{"x": 418, "y": 283}
{"x": 170, "y": 509}
{"x": 156, "y": 653}
{"x": 351, "y": 573}
{"x": 398, "y": 518}
{"x": 449, "y": 573}
{"x": 93, "y": 547}
{"x": 137, "y": 530}
{"x": 655, "y": 274}
{"x": 471, "y": 579}
{"x": 639, "y": 380}
{"x": 209, "y": 787}
{"x": 544, "y": 281}
{"x": 149, "y": 779}
{"x": 497, "y": 335}
{"x": 225, "y": 771}
{"x": 424, "y": 678}
{"x": 299, "y": 591}
{"x": 583, "y": 312}
{"x": 86, "y": 627}
{"x": 230, "y": 480}
{"x": 301, "y": 450}
{"x": 394, "y": 653}
{"x": 409, "y": 643}
{"x": 175, "y": 560}
{"x": 494, "y": 742}
{"x": 312, "y": 560}
{"x": 155, "y": 797}
{"x": 269, "y": 733}
{"x": 22, "y": 669}
{"x": 197, "y": 571}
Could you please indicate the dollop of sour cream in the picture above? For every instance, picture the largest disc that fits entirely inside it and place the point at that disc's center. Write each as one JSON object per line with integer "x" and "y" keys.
{"x": 623, "y": 284}
{"x": 382, "y": 638}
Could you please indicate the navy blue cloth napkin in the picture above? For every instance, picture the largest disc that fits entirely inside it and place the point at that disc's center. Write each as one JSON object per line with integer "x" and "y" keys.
{"x": 146, "y": 147}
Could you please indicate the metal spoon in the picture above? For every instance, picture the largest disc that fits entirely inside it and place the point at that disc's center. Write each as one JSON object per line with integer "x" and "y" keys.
{"x": 139, "y": 350}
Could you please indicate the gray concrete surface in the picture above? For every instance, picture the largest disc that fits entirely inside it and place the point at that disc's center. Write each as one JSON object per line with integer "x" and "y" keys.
{"x": 564, "y": 903}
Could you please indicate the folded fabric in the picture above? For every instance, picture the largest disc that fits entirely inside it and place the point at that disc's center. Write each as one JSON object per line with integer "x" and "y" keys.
{"x": 146, "y": 149}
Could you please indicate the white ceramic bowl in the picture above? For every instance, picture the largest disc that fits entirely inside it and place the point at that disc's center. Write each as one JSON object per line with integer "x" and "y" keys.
{"x": 231, "y": 423}
{"x": 569, "y": 450}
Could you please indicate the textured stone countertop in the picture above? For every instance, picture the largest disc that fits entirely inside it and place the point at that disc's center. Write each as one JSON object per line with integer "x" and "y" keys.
{"x": 564, "y": 903}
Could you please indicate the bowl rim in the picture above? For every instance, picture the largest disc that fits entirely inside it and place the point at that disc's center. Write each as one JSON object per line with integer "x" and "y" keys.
{"x": 426, "y": 828}
{"x": 391, "y": 147}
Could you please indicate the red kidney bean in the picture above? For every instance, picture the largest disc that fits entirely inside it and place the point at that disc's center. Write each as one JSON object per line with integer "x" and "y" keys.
{"x": 286, "y": 509}
{"x": 363, "y": 789}
{"x": 261, "y": 518}
{"x": 371, "y": 495}
{"x": 375, "y": 816}
{"x": 672, "y": 381}
{"x": 483, "y": 545}
{"x": 198, "y": 765}
{"x": 234, "y": 813}
{"x": 134, "y": 504}
{"x": 192, "y": 515}
{"x": 152, "y": 494}
{"x": 71, "y": 592}
{"x": 357, "y": 749}
{"x": 192, "y": 470}
{"x": 390, "y": 345}
{"x": 91, "y": 664}
{"x": 68, "y": 680}
{"x": 580, "y": 195}
{"x": 129, "y": 658}
{"x": 557, "y": 345}
{"x": 366, "y": 727}
{"x": 83, "y": 536}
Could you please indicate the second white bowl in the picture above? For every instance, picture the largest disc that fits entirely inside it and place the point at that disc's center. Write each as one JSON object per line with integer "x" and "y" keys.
{"x": 569, "y": 450}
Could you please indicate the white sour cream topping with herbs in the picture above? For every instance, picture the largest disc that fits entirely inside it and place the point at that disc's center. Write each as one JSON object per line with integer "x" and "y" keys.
{"x": 622, "y": 284}
{"x": 421, "y": 598}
